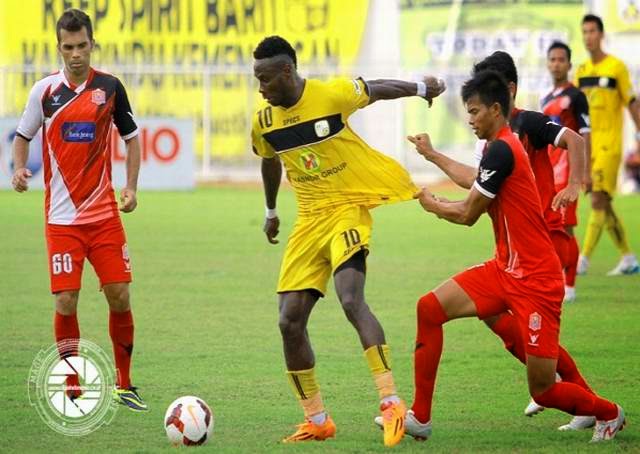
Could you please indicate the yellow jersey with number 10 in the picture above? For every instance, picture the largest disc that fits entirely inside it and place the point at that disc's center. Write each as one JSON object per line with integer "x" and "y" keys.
{"x": 327, "y": 164}
{"x": 608, "y": 89}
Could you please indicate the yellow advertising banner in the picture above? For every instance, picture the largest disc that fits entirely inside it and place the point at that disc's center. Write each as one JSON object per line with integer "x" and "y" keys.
{"x": 162, "y": 50}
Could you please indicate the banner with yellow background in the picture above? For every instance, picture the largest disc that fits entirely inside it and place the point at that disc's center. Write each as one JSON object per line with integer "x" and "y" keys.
{"x": 162, "y": 50}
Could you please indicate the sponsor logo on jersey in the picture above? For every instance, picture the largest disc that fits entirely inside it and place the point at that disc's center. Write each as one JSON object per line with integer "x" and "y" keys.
{"x": 603, "y": 82}
{"x": 79, "y": 131}
{"x": 535, "y": 321}
{"x": 310, "y": 161}
{"x": 322, "y": 128}
{"x": 98, "y": 96}
{"x": 485, "y": 174}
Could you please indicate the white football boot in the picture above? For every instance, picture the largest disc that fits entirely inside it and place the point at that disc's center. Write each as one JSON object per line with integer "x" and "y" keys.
{"x": 583, "y": 265}
{"x": 569, "y": 294}
{"x": 419, "y": 431}
{"x": 628, "y": 264}
{"x": 533, "y": 409}
{"x": 579, "y": 423}
{"x": 606, "y": 430}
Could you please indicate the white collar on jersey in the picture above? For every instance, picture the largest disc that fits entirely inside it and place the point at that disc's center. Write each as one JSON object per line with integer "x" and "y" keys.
{"x": 79, "y": 88}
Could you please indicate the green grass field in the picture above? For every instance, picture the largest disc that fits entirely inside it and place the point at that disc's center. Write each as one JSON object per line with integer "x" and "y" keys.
{"x": 206, "y": 325}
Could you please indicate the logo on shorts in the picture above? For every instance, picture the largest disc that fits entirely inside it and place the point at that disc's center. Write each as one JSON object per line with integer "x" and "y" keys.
{"x": 125, "y": 257}
{"x": 79, "y": 131}
{"x": 93, "y": 382}
{"x": 533, "y": 339}
{"x": 98, "y": 96}
{"x": 535, "y": 322}
{"x": 310, "y": 161}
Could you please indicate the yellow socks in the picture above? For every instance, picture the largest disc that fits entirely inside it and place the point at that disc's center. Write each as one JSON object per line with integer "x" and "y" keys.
{"x": 306, "y": 389}
{"x": 596, "y": 223}
{"x": 379, "y": 361}
{"x": 617, "y": 233}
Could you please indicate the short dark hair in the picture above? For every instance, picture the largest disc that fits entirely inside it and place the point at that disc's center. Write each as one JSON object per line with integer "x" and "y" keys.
{"x": 490, "y": 87}
{"x": 73, "y": 20}
{"x": 593, "y": 18}
{"x": 501, "y": 62}
{"x": 560, "y": 45}
{"x": 275, "y": 45}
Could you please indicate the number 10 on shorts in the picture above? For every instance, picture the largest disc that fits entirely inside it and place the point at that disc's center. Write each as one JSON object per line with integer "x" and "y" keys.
{"x": 61, "y": 263}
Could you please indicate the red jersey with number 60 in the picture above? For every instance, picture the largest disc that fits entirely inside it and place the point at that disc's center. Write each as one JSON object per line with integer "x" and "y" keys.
{"x": 523, "y": 246}
{"x": 76, "y": 122}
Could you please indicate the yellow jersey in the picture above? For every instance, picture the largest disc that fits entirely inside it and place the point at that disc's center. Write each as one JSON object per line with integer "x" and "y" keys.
{"x": 327, "y": 164}
{"x": 607, "y": 86}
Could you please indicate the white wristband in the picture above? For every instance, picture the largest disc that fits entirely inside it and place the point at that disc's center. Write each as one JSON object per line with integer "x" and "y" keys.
{"x": 270, "y": 213}
{"x": 421, "y": 89}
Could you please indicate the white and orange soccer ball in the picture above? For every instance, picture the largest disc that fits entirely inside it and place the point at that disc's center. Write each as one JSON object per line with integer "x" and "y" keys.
{"x": 188, "y": 421}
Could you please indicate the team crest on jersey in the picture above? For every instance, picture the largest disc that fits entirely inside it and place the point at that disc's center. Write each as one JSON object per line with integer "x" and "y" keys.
{"x": 310, "y": 161}
{"x": 98, "y": 96}
{"x": 535, "y": 321}
{"x": 322, "y": 128}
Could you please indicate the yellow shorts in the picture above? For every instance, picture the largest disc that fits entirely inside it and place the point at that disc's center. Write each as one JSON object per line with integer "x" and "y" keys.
{"x": 318, "y": 245}
{"x": 605, "y": 166}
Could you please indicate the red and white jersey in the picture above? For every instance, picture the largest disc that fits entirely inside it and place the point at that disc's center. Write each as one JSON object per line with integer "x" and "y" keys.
{"x": 76, "y": 122}
{"x": 523, "y": 246}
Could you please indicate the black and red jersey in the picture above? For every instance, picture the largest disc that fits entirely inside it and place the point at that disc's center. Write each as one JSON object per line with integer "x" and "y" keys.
{"x": 76, "y": 122}
{"x": 523, "y": 246}
{"x": 536, "y": 132}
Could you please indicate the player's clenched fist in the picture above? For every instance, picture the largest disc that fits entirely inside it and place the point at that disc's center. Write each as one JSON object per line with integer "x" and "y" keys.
{"x": 423, "y": 145}
{"x": 271, "y": 229}
{"x": 128, "y": 200}
{"x": 20, "y": 180}
{"x": 435, "y": 87}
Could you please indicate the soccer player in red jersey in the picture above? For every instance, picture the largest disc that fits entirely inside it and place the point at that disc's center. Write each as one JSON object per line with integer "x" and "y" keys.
{"x": 524, "y": 277}
{"x": 75, "y": 108}
{"x": 566, "y": 105}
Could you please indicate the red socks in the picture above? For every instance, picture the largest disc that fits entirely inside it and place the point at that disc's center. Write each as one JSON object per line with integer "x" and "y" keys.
{"x": 575, "y": 400}
{"x": 431, "y": 317}
{"x": 572, "y": 265}
{"x": 66, "y": 327}
{"x": 121, "y": 332}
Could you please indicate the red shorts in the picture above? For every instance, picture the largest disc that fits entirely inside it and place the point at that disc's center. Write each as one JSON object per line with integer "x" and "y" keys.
{"x": 536, "y": 303}
{"x": 570, "y": 214}
{"x": 103, "y": 243}
{"x": 561, "y": 244}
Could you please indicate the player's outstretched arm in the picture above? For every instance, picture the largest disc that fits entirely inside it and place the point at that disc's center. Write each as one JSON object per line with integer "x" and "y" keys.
{"x": 21, "y": 175}
{"x": 271, "y": 175}
{"x": 465, "y": 212}
{"x": 461, "y": 174}
{"x": 430, "y": 87}
{"x": 128, "y": 198}
{"x": 574, "y": 143}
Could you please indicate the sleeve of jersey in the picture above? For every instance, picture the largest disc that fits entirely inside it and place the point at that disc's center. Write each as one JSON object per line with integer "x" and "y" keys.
{"x": 33, "y": 116}
{"x": 353, "y": 94}
{"x": 123, "y": 115}
{"x": 624, "y": 86}
{"x": 495, "y": 167}
{"x": 260, "y": 146}
{"x": 541, "y": 130}
{"x": 580, "y": 107}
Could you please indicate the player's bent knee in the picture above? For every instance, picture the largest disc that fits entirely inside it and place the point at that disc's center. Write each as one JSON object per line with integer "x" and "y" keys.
{"x": 430, "y": 310}
{"x": 291, "y": 327}
{"x": 67, "y": 302}
{"x": 117, "y": 297}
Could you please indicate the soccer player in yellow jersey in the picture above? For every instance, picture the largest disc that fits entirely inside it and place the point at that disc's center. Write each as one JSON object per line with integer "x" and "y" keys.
{"x": 337, "y": 178}
{"x": 605, "y": 81}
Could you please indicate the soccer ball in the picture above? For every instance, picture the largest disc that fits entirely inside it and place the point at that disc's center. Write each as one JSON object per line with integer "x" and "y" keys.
{"x": 188, "y": 421}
